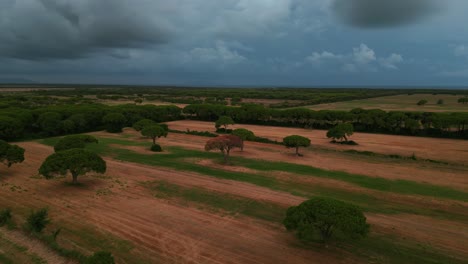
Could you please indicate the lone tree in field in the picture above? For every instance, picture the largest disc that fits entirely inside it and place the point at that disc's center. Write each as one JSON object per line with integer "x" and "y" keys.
{"x": 114, "y": 122}
{"x": 76, "y": 161}
{"x": 224, "y": 121}
{"x": 10, "y": 154}
{"x": 74, "y": 141}
{"x": 324, "y": 217}
{"x": 224, "y": 143}
{"x": 296, "y": 142}
{"x": 463, "y": 100}
{"x": 139, "y": 125}
{"x": 243, "y": 134}
{"x": 154, "y": 132}
{"x": 341, "y": 132}
{"x": 422, "y": 102}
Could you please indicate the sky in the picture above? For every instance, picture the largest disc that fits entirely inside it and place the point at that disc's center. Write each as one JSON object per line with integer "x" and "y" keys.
{"x": 236, "y": 42}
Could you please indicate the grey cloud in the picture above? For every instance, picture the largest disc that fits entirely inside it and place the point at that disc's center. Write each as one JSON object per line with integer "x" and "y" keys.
{"x": 383, "y": 13}
{"x": 66, "y": 29}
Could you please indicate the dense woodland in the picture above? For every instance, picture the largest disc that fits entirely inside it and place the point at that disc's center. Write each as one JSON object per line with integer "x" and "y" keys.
{"x": 29, "y": 115}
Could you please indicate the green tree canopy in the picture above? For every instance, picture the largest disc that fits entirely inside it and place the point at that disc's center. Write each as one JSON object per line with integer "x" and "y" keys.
{"x": 76, "y": 161}
{"x": 325, "y": 217}
{"x": 114, "y": 122}
{"x": 74, "y": 141}
{"x": 139, "y": 125}
{"x": 243, "y": 134}
{"x": 10, "y": 128}
{"x": 422, "y": 102}
{"x": 10, "y": 154}
{"x": 224, "y": 121}
{"x": 50, "y": 122}
{"x": 296, "y": 141}
{"x": 153, "y": 132}
{"x": 341, "y": 132}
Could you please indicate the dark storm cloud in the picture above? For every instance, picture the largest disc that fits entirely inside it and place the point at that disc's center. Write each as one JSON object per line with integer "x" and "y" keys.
{"x": 65, "y": 29}
{"x": 382, "y": 13}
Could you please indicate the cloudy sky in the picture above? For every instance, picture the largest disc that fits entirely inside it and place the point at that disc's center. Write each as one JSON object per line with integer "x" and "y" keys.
{"x": 236, "y": 42}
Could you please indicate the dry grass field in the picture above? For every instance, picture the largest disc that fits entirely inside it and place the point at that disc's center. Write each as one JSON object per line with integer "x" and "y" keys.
{"x": 184, "y": 206}
{"x": 400, "y": 103}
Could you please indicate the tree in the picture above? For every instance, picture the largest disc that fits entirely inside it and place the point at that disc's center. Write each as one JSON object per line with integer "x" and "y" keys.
{"x": 224, "y": 121}
{"x": 422, "y": 102}
{"x": 325, "y": 217}
{"x": 341, "y": 131}
{"x": 138, "y": 101}
{"x": 243, "y": 134}
{"x": 10, "y": 128}
{"x": 10, "y": 154}
{"x": 139, "y": 125}
{"x": 224, "y": 143}
{"x": 296, "y": 141}
{"x": 76, "y": 161}
{"x": 153, "y": 132}
{"x": 440, "y": 101}
{"x": 74, "y": 141}
{"x": 101, "y": 257}
{"x": 114, "y": 122}
{"x": 463, "y": 100}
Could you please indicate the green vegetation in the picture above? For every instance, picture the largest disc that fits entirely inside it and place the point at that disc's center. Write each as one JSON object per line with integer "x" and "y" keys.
{"x": 101, "y": 257}
{"x": 153, "y": 132}
{"x": 224, "y": 121}
{"x": 5, "y": 216}
{"x": 296, "y": 142}
{"x": 324, "y": 217}
{"x": 74, "y": 141}
{"x": 243, "y": 134}
{"x": 138, "y": 126}
{"x": 76, "y": 161}
{"x": 341, "y": 132}
{"x": 114, "y": 122}
{"x": 10, "y": 154}
{"x": 216, "y": 201}
{"x": 422, "y": 102}
{"x": 37, "y": 221}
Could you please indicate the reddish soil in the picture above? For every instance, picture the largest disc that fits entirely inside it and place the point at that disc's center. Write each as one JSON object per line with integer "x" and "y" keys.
{"x": 176, "y": 234}
{"x": 430, "y": 148}
{"x": 453, "y": 176}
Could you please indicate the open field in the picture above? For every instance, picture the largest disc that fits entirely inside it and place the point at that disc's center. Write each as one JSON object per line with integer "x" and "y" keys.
{"x": 183, "y": 206}
{"x": 400, "y": 103}
{"x": 430, "y": 148}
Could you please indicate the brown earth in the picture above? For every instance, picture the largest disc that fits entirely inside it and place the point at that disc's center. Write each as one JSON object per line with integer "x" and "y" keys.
{"x": 171, "y": 233}
{"x": 452, "y": 150}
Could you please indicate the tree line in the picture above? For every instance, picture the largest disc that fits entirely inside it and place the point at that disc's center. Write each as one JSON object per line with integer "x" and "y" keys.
{"x": 450, "y": 125}
{"x": 54, "y": 120}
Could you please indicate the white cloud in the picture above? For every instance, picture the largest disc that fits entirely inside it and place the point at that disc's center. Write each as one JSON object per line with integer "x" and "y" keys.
{"x": 362, "y": 58}
{"x": 317, "y": 58}
{"x": 363, "y": 54}
{"x": 391, "y": 61}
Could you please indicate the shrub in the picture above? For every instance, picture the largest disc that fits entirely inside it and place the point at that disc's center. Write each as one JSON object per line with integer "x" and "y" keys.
{"x": 5, "y": 216}
{"x": 101, "y": 257}
{"x": 156, "y": 148}
{"x": 37, "y": 221}
{"x": 440, "y": 102}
